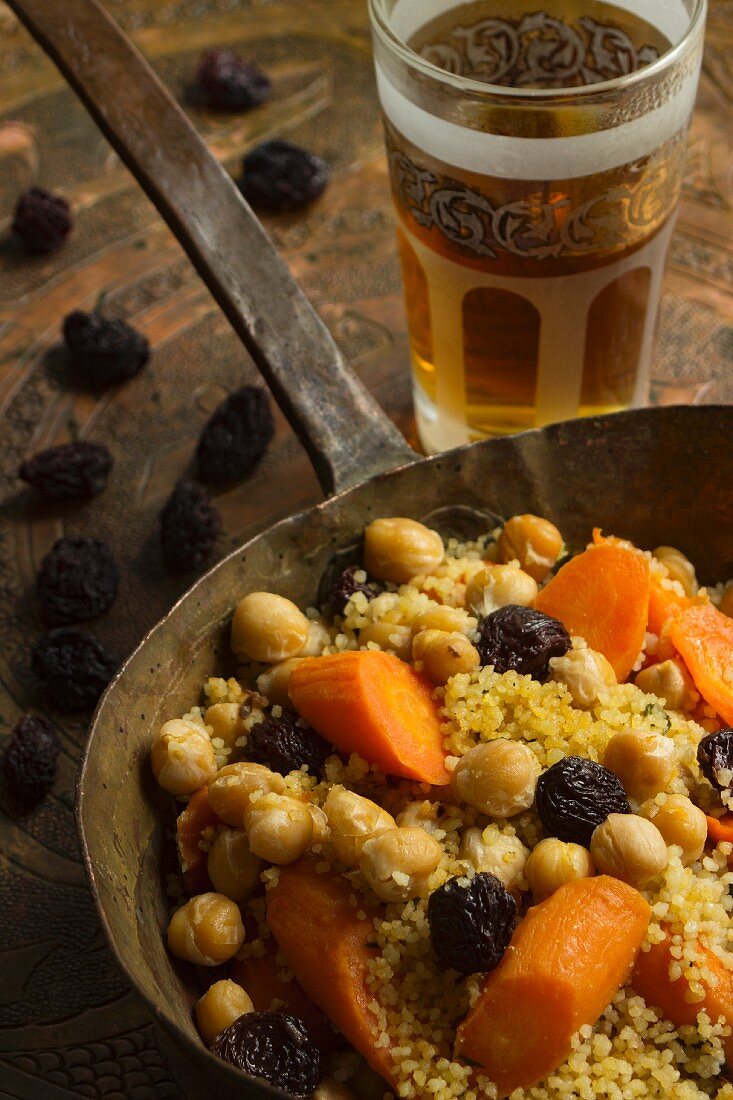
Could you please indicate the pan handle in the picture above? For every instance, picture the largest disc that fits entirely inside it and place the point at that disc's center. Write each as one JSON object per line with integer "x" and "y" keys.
{"x": 346, "y": 434}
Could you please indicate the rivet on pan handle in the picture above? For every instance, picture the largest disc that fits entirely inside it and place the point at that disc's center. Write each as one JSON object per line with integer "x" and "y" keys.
{"x": 347, "y": 435}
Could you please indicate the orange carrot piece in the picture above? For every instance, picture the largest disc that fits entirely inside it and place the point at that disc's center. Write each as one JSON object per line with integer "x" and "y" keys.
{"x": 603, "y": 596}
{"x": 651, "y": 981}
{"x": 663, "y": 604}
{"x": 373, "y": 704}
{"x": 566, "y": 961}
{"x": 720, "y": 829}
{"x": 704, "y": 638}
{"x": 261, "y": 979}
{"x": 197, "y": 816}
{"x": 326, "y": 945}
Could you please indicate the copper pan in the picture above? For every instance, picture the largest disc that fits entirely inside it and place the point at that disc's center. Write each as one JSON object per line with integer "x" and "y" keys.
{"x": 656, "y": 476}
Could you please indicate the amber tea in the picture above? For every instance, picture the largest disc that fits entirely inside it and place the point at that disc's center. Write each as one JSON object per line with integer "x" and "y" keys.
{"x": 536, "y": 158}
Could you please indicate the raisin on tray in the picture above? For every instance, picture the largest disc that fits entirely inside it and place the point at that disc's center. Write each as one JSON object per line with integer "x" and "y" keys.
{"x": 282, "y": 176}
{"x": 285, "y": 745}
{"x": 521, "y": 639}
{"x": 189, "y": 528}
{"x": 231, "y": 84}
{"x": 74, "y": 668}
{"x": 30, "y": 758}
{"x": 471, "y": 923}
{"x": 42, "y": 221}
{"x": 347, "y": 586}
{"x": 77, "y": 580}
{"x": 276, "y": 1046}
{"x": 575, "y": 796}
{"x": 715, "y": 757}
{"x": 237, "y": 436}
{"x": 69, "y": 471}
{"x": 104, "y": 351}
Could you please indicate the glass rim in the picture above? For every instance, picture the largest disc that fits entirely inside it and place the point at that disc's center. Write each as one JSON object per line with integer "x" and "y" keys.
{"x": 534, "y": 96}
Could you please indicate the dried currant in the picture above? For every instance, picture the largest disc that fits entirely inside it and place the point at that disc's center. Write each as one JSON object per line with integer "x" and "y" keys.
{"x": 285, "y": 744}
{"x": 42, "y": 220}
{"x": 347, "y": 586}
{"x": 282, "y": 176}
{"x": 237, "y": 435}
{"x": 575, "y": 796}
{"x": 30, "y": 758}
{"x": 471, "y": 922}
{"x": 275, "y": 1046}
{"x": 104, "y": 351}
{"x": 77, "y": 580}
{"x": 521, "y": 639}
{"x": 231, "y": 84}
{"x": 74, "y": 667}
{"x": 715, "y": 757}
{"x": 189, "y": 528}
{"x": 70, "y": 471}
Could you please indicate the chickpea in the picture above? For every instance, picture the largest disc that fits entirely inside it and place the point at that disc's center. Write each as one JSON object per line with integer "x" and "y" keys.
{"x": 331, "y": 1089}
{"x": 268, "y": 628}
{"x": 644, "y": 762}
{"x": 553, "y": 863}
{"x": 222, "y": 1004}
{"x": 399, "y": 549}
{"x": 422, "y": 815}
{"x": 274, "y": 683}
{"x": 321, "y": 829}
{"x": 505, "y": 857}
{"x": 226, "y": 722}
{"x": 398, "y": 864}
{"x": 444, "y": 655}
{"x": 182, "y": 757}
{"x": 726, "y": 603}
{"x": 207, "y": 930}
{"x": 318, "y": 637}
{"x": 498, "y": 586}
{"x": 233, "y": 869}
{"x": 232, "y": 787}
{"x": 680, "y": 822}
{"x": 532, "y": 541}
{"x": 453, "y": 620}
{"x": 679, "y": 568}
{"x": 630, "y": 848}
{"x": 671, "y": 683}
{"x": 353, "y": 820}
{"x": 586, "y": 674}
{"x": 391, "y": 637}
{"x": 279, "y": 828}
{"x": 498, "y": 778}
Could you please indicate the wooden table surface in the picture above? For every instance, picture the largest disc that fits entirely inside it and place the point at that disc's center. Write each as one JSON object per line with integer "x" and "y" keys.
{"x": 68, "y": 1024}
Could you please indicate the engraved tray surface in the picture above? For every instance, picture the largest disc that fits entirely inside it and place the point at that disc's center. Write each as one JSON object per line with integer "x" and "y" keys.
{"x": 68, "y": 1024}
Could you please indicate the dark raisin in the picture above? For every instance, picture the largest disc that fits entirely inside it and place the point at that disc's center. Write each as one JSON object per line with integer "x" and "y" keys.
{"x": 286, "y": 743}
{"x": 471, "y": 925}
{"x": 42, "y": 220}
{"x": 30, "y": 759}
{"x": 715, "y": 757}
{"x": 104, "y": 351}
{"x": 77, "y": 580}
{"x": 70, "y": 471}
{"x": 231, "y": 84}
{"x": 281, "y": 176}
{"x": 74, "y": 668}
{"x": 347, "y": 586}
{"x": 521, "y": 639}
{"x": 189, "y": 528}
{"x": 237, "y": 436}
{"x": 575, "y": 796}
{"x": 275, "y": 1046}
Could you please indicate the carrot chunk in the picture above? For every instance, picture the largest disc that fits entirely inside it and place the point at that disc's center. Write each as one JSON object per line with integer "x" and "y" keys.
{"x": 566, "y": 961}
{"x": 720, "y": 829}
{"x": 651, "y": 981}
{"x": 603, "y": 596}
{"x": 197, "y": 816}
{"x": 703, "y": 637}
{"x": 373, "y": 704}
{"x": 664, "y": 604}
{"x": 326, "y": 945}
